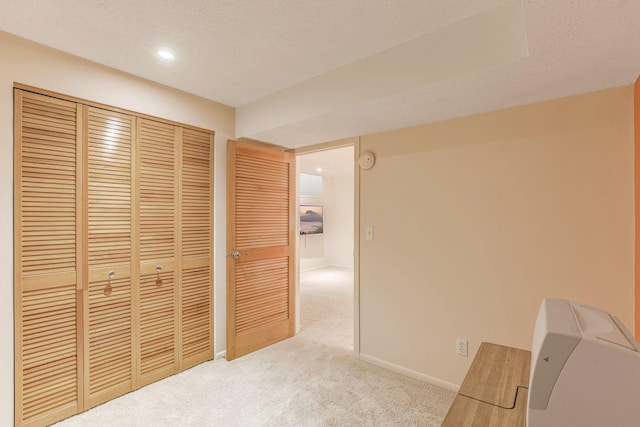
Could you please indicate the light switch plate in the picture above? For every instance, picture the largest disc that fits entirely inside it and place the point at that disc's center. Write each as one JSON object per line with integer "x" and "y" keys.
{"x": 368, "y": 233}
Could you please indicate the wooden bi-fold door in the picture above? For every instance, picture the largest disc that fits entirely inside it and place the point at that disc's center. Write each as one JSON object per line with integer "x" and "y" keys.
{"x": 159, "y": 217}
{"x": 113, "y": 253}
{"x": 48, "y": 259}
{"x": 196, "y": 293}
{"x": 109, "y": 317}
{"x": 176, "y": 253}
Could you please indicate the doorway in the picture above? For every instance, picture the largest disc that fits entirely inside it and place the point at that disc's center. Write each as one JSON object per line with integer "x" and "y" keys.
{"x": 326, "y": 245}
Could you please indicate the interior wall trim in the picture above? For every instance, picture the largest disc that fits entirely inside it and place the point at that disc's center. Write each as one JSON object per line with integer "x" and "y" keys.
{"x": 409, "y": 372}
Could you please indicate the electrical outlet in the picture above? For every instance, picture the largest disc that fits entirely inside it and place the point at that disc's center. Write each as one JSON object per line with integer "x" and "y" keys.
{"x": 461, "y": 347}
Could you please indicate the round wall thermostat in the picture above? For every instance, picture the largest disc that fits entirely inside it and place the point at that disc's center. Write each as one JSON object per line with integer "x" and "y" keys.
{"x": 367, "y": 159}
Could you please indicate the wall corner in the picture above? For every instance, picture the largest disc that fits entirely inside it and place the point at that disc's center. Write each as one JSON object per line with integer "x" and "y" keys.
{"x": 636, "y": 169}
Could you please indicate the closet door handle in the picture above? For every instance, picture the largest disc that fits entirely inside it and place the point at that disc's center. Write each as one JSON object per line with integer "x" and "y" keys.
{"x": 158, "y": 278}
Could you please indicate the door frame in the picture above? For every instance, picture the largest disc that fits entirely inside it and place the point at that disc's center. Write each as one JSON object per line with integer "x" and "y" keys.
{"x": 349, "y": 142}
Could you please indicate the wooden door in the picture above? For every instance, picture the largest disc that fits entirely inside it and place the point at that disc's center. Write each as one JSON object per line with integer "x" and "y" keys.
{"x": 260, "y": 243}
{"x": 112, "y": 282}
{"x": 158, "y": 162}
{"x": 108, "y": 300}
{"x": 48, "y": 257}
{"x": 197, "y": 250}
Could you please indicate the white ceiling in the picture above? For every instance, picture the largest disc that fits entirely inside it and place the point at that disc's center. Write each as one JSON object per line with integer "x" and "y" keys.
{"x": 301, "y": 72}
{"x": 334, "y": 163}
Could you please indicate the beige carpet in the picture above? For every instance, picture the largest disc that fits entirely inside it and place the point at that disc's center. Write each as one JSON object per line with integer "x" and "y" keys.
{"x": 309, "y": 380}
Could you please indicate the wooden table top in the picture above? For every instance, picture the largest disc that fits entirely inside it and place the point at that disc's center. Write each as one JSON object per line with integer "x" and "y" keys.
{"x": 494, "y": 391}
{"x": 495, "y": 374}
{"x": 467, "y": 412}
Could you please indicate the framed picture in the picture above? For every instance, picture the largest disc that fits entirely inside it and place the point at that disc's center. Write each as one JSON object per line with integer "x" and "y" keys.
{"x": 310, "y": 219}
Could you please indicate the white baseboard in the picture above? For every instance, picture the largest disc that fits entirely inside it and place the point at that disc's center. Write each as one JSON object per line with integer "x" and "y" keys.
{"x": 348, "y": 267}
{"x": 409, "y": 372}
{"x": 318, "y": 267}
{"x": 221, "y": 355}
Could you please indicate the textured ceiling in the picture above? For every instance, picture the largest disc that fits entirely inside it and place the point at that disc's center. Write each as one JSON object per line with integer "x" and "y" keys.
{"x": 249, "y": 54}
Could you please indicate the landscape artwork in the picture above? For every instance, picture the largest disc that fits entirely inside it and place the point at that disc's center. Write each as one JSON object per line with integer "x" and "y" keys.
{"x": 310, "y": 219}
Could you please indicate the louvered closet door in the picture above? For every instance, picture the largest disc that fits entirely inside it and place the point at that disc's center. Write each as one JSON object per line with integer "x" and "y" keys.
{"x": 260, "y": 218}
{"x": 197, "y": 215}
{"x": 108, "y": 302}
{"x": 158, "y": 293}
{"x": 48, "y": 253}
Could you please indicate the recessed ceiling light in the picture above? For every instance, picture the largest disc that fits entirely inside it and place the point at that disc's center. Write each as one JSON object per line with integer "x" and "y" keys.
{"x": 165, "y": 54}
{"x": 318, "y": 169}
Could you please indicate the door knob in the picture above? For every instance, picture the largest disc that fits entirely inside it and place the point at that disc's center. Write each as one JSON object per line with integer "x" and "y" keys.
{"x": 235, "y": 254}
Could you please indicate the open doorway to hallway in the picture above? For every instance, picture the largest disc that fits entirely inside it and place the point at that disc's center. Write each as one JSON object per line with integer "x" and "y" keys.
{"x": 326, "y": 244}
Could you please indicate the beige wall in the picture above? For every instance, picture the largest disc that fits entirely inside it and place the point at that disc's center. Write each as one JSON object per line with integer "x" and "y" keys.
{"x": 477, "y": 219}
{"x": 339, "y": 222}
{"x": 334, "y": 247}
{"x": 311, "y": 248}
{"x": 32, "y": 64}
